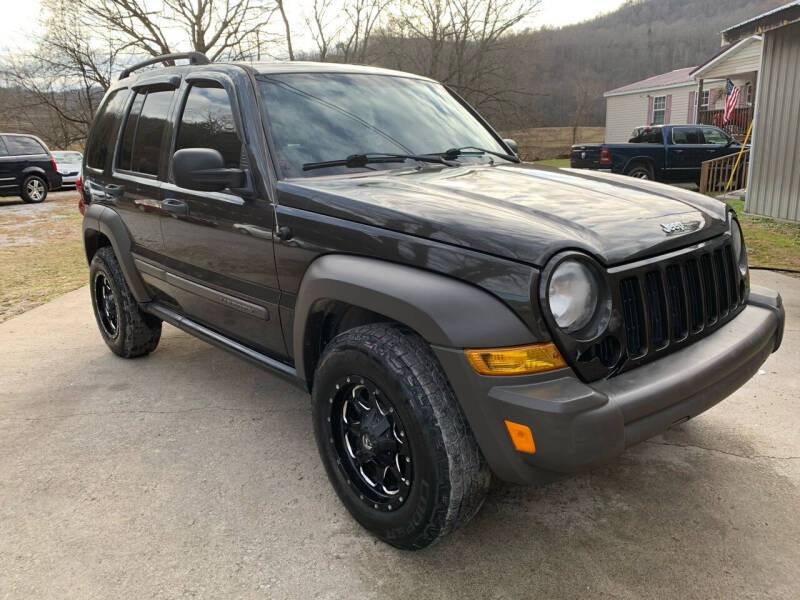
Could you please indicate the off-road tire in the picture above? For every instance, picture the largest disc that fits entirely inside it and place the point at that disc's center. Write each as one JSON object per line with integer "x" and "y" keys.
{"x": 137, "y": 333}
{"x": 640, "y": 171}
{"x": 25, "y": 193}
{"x": 450, "y": 477}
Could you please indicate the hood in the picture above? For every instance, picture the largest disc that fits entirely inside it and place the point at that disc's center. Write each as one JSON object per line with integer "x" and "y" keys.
{"x": 520, "y": 212}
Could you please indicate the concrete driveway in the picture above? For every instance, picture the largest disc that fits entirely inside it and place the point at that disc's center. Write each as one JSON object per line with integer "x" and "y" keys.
{"x": 191, "y": 474}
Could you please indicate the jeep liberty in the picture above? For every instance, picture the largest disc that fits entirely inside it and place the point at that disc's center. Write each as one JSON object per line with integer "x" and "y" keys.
{"x": 453, "y": 313}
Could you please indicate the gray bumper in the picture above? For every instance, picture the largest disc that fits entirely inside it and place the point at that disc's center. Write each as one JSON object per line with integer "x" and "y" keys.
{"x": 577, "y": 425}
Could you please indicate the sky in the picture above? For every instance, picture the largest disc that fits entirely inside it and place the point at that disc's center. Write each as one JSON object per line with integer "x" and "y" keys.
{"x": 19, "y": 17}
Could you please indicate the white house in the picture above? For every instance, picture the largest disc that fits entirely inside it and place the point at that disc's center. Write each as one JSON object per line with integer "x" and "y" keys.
{"x": 688, "y": 95}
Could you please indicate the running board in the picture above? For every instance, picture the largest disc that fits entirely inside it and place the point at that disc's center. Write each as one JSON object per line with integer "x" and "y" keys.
{"x": 217, "y": 339}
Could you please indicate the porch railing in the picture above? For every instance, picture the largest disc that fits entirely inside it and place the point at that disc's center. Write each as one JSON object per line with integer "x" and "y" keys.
{"x": 737, "y": 125}
{"x": 715, "y": 173}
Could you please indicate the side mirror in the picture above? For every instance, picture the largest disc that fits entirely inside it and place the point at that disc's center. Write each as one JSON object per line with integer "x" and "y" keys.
{"x": 512, "y": 145}
{"x": 203, "y": 169}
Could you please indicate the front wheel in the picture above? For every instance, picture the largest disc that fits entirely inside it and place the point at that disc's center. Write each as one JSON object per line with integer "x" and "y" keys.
{"x": 34, "y": 189}
{"x": 395, "y": 444}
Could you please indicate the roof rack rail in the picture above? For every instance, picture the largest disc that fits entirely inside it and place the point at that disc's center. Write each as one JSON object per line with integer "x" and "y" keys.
{"x": 195, "y": 58}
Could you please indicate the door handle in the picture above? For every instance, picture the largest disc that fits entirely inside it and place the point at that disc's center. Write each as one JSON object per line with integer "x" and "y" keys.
{"x": 175, "y": 206}
{"x": 677, "y": 151}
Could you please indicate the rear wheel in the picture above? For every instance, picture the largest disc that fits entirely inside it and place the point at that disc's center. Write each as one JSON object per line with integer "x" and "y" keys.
{"x": 127, "y": 330}
{"x": 640, "y": 171}
{"x": 34, "y": 189}
{"x": 395, "y": 444}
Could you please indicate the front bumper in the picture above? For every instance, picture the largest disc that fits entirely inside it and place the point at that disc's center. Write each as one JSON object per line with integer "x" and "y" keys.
{"x": 578, "y": 425}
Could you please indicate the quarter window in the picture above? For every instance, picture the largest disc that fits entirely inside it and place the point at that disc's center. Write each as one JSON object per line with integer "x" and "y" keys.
{"x": 3, "y": 151}
{"x": 207, "y": 122}
{"x": 21, "y": 145}
{"x": 104, "y": 131}
{"x": 140, "y": 149}
{"x": 659, "y": 110}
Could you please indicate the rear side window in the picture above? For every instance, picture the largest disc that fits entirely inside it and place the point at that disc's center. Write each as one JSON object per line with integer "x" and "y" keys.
{"x": 140, "y": 149}
{"x": 3, "y": 151}
{"x": 646, "y": 136}
{"x": 20, "y": 145}
{"x": 207, "y": 122}
{"x": 104, "y": 131}
{"x": 686, "y": 135}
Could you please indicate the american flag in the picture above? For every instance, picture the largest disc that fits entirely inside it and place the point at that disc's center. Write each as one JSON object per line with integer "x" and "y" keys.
{"x": 731, "y": 99}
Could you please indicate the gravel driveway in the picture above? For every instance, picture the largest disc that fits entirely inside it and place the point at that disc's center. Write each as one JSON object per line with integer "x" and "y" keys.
{"x": 192, "y": 474}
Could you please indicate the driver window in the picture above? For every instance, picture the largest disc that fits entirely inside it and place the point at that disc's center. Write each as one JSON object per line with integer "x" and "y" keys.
{"x": 207, "y": 122}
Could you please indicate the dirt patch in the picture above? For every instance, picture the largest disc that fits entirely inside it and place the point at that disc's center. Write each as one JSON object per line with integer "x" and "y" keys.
{"x": 41, "y": 254}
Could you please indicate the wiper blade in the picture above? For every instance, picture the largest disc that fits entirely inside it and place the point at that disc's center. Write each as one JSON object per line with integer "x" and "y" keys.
{"x": 355, "y": 161}
{"x": 453, "y": 153}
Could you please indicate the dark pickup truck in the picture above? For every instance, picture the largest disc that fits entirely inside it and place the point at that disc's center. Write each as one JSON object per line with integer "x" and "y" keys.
{"x": 661, "y": 153}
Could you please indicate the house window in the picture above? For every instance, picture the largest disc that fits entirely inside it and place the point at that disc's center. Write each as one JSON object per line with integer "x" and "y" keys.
{"x": 659, "y": 110}
{"x": 704, "y": 100}
{"x": 748, "y": 95}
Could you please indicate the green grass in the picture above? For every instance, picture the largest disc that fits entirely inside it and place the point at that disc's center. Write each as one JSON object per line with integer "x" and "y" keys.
{"x": 553, "y": 162}
{"x": 770, "y": 243}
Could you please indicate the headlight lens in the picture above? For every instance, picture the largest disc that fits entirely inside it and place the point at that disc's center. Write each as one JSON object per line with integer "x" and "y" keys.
{"x": 737, "y": 241}
{"x": 573, "y": 295}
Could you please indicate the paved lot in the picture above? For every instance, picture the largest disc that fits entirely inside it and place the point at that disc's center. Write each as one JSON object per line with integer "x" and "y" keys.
{"x": 192, "y": 474}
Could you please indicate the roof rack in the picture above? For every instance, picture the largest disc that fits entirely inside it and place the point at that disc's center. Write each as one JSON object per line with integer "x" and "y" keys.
{"x": 195, "y": 58}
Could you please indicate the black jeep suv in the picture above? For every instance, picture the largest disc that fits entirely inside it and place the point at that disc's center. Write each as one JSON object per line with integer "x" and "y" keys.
{"x": 27, "y": 168}
{"x": 452, "y": 311}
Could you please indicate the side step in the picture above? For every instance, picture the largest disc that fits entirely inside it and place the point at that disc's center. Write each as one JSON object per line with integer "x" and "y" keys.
{"x": 217, "y": 339}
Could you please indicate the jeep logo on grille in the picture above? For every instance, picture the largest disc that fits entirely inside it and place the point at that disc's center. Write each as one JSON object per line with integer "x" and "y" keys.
{"x": 672, "y": 227}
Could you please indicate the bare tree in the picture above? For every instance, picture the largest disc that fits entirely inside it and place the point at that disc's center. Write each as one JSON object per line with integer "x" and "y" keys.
{"x": 217, "y": 28}
{"x": 362, "y": 16}
{"x": 60, "y": 82}
{"x": 459, "y": 42}
{"x": 287, "y": 28}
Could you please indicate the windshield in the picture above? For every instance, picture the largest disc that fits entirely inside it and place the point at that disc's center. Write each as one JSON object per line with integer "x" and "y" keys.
{"x": 68, "y": 157}
{"x": 317, "y": 117}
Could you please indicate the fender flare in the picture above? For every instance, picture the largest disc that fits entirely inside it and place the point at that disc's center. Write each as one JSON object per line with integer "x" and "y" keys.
{"x": 31, "y": 170}
{"x": 101, "y": 219}
{"x": 646, "y": 159}
{"x": 444, "y": 311}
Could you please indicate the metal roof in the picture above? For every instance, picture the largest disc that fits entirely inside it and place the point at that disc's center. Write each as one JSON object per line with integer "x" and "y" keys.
{"x": 676, "y": 78}
{"x": 762, "y": 15}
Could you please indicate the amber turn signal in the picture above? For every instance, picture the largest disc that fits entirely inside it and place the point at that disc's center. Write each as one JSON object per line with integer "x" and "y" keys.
{"x": 521, "y": 437}
{"x": 517, "y": 360}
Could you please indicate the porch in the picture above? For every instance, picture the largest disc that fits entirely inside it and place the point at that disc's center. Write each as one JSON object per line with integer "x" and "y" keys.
{"x": 737, "y": 124}
{"x": 740, "y": 62}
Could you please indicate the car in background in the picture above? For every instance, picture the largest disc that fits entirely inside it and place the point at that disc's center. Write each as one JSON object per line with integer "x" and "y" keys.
{"x": 68, "y": 164}
{"x": 27, "y": 168}
{"x": 669, "y": 153}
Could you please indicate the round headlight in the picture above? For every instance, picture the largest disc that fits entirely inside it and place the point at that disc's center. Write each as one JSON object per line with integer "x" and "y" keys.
{"x": 573, "y": 295}
{"x": 737, "y": 241}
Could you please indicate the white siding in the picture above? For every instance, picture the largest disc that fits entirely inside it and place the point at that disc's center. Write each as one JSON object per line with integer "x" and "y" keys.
{"x": 774, "y": 187}
{"x": 628, "y": 111}
{"x": 745, "y": 59}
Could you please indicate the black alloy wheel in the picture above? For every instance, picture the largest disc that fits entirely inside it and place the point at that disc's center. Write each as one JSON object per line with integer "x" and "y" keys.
{"x": 370, "y": 443}
{"x": 106, "y": 305}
